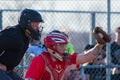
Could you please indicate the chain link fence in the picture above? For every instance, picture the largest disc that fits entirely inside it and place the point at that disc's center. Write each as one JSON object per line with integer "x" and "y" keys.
{"x": 77, "y": 18}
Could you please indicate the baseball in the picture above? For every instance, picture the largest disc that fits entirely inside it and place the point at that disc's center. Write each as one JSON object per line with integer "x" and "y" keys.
{"x": 100, "y": 35}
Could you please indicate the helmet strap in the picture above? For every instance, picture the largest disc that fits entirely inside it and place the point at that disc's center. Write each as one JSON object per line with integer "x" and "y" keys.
{"x": 55, "y": 54}
{"x": 27, "y": 32}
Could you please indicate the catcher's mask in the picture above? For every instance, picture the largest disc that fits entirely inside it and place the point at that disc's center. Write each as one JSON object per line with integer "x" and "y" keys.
{"x": 51, "y": 40}
{"x": 27, "y": 16}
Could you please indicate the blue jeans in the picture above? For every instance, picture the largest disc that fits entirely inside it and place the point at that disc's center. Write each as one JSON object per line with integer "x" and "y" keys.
{"x": 9, "y": 75}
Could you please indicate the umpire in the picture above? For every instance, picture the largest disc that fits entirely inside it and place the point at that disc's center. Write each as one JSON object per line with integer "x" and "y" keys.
{"x": 14, "y": 42}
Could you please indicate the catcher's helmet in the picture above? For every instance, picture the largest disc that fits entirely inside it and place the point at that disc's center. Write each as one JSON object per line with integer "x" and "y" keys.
{"x": 27, "y": 16}
{"x": 55, "y": 31}
{"x": 54, "y": 38}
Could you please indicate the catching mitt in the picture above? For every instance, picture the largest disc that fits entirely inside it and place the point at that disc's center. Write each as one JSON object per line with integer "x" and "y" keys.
{"x": 101, "y": 36}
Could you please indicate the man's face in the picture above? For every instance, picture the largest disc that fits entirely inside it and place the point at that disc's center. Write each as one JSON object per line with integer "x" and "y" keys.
{"x": 35, "y": 25}
{"x": 61, "y": 48}
{"x": 98, "y": 60}
{"x": 117, "y": 33}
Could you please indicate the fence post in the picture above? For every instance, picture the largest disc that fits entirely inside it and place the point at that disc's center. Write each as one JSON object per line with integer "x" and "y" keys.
{"x": 92, "y": 40}
{"x": 108, "y": 46}
{"x": 0, "y": 19}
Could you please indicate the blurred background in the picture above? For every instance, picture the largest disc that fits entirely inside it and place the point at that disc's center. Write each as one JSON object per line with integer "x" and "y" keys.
{"x": 76, "y": 17}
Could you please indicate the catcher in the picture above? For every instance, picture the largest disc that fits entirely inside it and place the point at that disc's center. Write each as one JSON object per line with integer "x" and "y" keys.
{"x": 52, "y": 64}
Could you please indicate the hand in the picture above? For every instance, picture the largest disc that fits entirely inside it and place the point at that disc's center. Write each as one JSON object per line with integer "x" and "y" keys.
{"x": 3, "y": 67}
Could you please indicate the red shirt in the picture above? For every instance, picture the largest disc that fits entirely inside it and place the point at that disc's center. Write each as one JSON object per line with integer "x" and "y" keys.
{"x": 43, "y": 67}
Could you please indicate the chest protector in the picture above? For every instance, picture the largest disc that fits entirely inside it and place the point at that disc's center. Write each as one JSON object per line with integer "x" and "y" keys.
{"x": 54, "y": 70}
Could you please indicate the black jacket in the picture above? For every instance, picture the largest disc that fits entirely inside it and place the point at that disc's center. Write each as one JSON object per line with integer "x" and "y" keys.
{"x": 13, "y": 45}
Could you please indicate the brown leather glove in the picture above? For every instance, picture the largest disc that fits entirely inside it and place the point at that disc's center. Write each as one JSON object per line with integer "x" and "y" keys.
{"x": 101, "y": 36}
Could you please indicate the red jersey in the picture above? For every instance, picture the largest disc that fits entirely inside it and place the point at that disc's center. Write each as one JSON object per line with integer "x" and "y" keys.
{"x": 43, "y": 67}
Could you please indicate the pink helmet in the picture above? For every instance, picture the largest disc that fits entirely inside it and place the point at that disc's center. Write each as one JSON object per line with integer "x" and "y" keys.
{"x": 52, "y": 39}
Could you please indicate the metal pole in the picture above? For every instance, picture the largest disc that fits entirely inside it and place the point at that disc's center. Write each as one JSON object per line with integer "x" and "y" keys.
{"x": 92, "y": 40}
{"x": 0, "y": 20}
{"x": 108, "y": 70}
